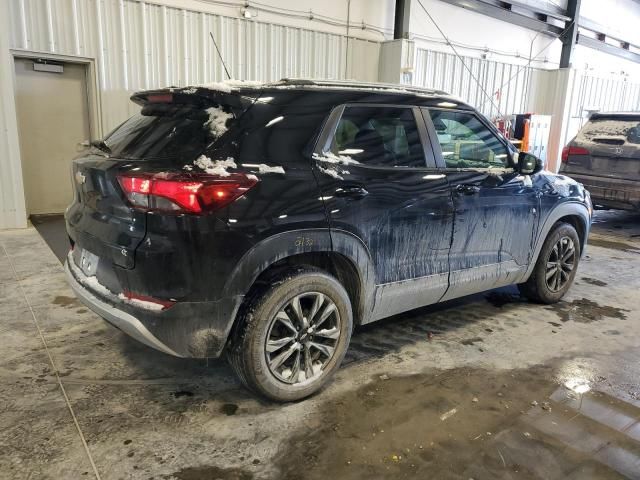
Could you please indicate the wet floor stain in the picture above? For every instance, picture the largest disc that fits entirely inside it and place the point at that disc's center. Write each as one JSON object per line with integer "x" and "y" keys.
{"x": 614, "y": 245}
{"x": 461, "y": 423}
{"x": 586, "y": 311}
{"x": 210, "y": 473}
{"x": 229, "y": 408}
{"x": 182, "y": 394}
{"x": 500, "y": 299}
{"x": 594, "y": 281}
{"x": 65, "y": 301}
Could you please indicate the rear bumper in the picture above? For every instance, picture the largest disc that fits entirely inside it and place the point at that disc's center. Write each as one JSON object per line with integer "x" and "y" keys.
{"x": 611, "y": 192}
{"x": 118, "y": 318}
{"x": 187, "y": 329}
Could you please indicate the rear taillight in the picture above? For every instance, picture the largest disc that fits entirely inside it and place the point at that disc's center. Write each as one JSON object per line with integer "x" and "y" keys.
{"x": 571, "y": 150}
{"x": 182, "y": 192}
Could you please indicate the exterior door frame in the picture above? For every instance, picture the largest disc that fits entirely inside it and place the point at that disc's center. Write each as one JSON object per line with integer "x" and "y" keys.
{"x": 93, "y": 87}
{"x": 92, "y": 93}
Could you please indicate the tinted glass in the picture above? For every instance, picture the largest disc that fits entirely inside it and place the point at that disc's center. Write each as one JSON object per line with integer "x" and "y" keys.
{"x": 466, "y": 142}
{"x": 164, "y": 131}
{"x": 383, "y": 136}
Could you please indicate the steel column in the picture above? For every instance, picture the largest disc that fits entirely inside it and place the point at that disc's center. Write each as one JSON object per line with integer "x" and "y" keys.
{"x": 571, "y": 35}
{"x": 401, "y": 20}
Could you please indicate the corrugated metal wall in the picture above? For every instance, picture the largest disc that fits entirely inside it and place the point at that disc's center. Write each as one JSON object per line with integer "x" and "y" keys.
{"x": 12, "y": 205}
{"x": 507, "y": 84}
{"x": 605, "y": 94}
{"x": 139, "y": 45}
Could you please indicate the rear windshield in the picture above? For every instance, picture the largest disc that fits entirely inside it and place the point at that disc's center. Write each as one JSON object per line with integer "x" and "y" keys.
{"x": 604, "y": 129}
{"x": 168, "y": 131}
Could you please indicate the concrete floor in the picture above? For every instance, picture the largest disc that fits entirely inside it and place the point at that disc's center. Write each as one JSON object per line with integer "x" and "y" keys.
{"x": 486, "y": 387}
{"x": 52, "y": 229}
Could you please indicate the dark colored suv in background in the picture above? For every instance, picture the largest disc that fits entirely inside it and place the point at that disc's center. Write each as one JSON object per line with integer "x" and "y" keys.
{"x": 265, "y": 221}
{"x": 605, "y": 157}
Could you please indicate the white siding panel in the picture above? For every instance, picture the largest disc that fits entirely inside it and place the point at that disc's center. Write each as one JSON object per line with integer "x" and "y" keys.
{"x": 505, "y": 83}
{"x": 12, "y": 205}
{"x": 139, "y": 45}
{"x": 609, "y": 93}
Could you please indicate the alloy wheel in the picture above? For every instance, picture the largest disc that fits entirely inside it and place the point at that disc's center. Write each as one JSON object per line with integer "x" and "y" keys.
{"x": 302, "y": 338}
{"x": 560, "y": 264}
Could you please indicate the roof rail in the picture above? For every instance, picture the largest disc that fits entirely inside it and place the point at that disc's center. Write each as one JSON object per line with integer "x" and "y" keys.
{"x": 356, "y": 84}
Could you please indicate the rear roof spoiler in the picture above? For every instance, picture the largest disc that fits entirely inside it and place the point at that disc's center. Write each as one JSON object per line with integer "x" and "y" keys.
{"x": 201, "y": 96}
{"x": 624, "y": 116}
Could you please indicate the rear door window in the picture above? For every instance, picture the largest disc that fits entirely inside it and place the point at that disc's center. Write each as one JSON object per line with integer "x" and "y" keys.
{"x": 379, "y": 136}
{"x": 466, "y": 142}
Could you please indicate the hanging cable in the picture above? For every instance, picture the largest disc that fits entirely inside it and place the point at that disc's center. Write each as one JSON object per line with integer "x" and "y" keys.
{"x": 346, "y": 53}
{"x": 474, "y": 47}
{"x": 533, "y": 58}
{"x": 489, "y": 97}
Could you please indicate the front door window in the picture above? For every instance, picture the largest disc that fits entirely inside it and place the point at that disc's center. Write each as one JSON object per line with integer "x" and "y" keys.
{"x": 466, "y": 142}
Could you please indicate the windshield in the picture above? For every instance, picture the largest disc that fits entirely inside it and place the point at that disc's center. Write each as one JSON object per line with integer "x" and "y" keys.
{"x": 166, "y": 131}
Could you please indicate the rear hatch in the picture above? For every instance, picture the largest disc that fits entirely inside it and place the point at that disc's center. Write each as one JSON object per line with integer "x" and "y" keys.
{"x": 172, "y": 129}
{"x": 607, "y": 146}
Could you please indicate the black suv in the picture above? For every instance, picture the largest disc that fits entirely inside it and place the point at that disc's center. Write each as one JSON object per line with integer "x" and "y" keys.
{"x": 265, "y": 221}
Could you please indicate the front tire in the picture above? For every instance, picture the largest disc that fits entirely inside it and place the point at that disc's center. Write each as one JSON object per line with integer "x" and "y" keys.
{"x": 292, "y": 335}
{"x": 556, "y": 266}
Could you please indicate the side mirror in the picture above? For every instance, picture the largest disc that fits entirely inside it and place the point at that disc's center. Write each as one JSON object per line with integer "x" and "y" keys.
{"x": 529, "y": 164}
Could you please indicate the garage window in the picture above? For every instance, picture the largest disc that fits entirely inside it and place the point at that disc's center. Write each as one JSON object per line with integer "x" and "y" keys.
{"x": 466, "y": 142}
{"x": 380, "y": 136}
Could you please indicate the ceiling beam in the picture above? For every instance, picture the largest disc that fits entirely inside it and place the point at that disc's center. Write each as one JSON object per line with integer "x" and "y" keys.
{"x": 502, "y": 11}
{"x": 607, "y": 48}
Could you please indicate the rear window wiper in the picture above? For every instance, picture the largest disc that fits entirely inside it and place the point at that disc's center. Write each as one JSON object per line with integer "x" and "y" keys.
{"x": 101, "y": 145}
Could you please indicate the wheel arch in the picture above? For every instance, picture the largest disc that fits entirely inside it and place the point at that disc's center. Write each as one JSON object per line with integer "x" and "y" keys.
{"x": 340, "y": 254}
{"x": 574, "y": 213}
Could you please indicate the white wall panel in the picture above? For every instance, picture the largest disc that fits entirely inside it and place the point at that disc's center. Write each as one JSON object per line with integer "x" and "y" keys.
{"x": 12, "y": 204}
{"x": 139, "y": 45}
{"x": 505, "y": 83}
{"x": 607, "y": 94}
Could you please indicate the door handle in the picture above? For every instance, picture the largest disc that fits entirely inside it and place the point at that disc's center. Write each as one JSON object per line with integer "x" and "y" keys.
{"x": 353, "y": 191}
{"x": 466, "y": 189}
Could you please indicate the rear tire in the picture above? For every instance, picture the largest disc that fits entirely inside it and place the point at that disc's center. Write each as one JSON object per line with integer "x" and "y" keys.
{"x": 292, "y": 335}
{"x": 555, "y": 267}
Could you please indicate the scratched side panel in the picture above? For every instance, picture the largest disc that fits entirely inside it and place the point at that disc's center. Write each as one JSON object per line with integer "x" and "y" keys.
{"x": 493, "y": 231}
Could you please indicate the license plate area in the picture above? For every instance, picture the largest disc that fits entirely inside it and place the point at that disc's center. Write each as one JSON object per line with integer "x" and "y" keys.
{"x": 88, "y": 262}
